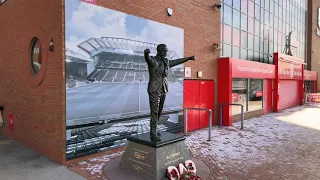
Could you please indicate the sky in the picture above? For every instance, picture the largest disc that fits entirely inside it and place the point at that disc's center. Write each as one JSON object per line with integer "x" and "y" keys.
{"x": 84, "y": 21}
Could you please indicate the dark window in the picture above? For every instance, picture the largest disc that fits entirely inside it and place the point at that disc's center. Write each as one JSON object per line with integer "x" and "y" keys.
{"x": 239, "y": 95}
{"x": 35, "y": 56}
{"x": 255, "y": 99}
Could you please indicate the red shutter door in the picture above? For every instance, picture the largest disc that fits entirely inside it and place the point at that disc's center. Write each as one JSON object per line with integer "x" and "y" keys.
{"x": 288, "y": 94}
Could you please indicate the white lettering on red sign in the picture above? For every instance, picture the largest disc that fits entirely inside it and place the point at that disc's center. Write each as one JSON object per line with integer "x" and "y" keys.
{"x": 255, "y": 70}
{"x": 287, "y": 73}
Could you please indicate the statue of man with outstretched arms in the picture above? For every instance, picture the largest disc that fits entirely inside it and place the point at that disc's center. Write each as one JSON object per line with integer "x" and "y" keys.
{"x": 158, "y": 84}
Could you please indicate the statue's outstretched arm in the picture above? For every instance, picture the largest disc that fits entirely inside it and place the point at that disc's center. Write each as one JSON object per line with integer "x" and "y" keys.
{"x": 180, "y": 61}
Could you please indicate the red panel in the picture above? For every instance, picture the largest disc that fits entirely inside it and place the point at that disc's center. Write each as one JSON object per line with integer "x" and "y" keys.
{"x": 191, "y": 99}
{"x": 268, "y": 96}
{"x": 225, "y": 89}
{"x": 288, "y": 94}
{"x": 251, "y": 69}
{"x": 206, "y": 101}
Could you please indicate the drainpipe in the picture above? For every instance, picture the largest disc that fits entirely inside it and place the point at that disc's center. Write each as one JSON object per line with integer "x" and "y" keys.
{"x": 1, "y": 120}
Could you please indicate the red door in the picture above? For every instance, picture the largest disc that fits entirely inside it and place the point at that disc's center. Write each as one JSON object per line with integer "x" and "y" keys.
{"x": 288, "y": 94}
{"x": 268, "y": 94}
{"x": 191, "y": 99}
{"x": 206, "y": 102}
{"x": 198, "y": 94}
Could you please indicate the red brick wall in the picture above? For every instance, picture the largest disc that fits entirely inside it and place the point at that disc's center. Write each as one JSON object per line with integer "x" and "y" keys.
{"x": 38, "y": 110}
{"x": 313, "y": 38}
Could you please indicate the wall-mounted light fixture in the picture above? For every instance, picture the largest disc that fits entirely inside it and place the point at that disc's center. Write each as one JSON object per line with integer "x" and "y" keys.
{"x": 199, "y": 74}
{"x": 169, "y": 11}
{"x": 217, "y": 6}
{"x": 2, "y": 1}
{"x": 216, "y": 46}
{"x": 51, "y": 47}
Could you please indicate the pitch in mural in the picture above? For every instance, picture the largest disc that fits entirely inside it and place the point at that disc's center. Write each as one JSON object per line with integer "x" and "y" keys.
{"x": 107, "y": 76}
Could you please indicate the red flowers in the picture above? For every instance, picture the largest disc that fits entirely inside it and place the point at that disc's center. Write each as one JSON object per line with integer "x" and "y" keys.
{"x": 184, "y": 172}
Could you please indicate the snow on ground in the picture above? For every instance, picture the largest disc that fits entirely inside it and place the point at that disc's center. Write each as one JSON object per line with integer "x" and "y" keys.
{"x": 282, "y": 145}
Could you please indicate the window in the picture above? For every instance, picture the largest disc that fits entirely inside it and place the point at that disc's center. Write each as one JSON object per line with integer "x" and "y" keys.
{"x": 226, "y": 49}
{"x": 244, "y": 6}
{"x": 236, "y": 19}
{"x": 270, "y": 20}
{"x": 249, "y": 93}
{"x": 244, "y": 39}
{"x": 236, "y": 37}
{"x": 226, "y": 34}
{"x": 244, "y": 20}
{"x": 255, "y": 100}
{"x": 227, "y": 15}
{"x": 236, "y": 4}
{"x": 239, "y": 95}
{"x": 35, "y": 56}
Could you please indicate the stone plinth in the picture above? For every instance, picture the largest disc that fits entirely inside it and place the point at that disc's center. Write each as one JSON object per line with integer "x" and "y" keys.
{"x": 149, "y": 160}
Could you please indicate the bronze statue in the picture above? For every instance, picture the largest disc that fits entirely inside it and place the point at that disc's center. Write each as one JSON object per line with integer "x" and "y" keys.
{"x": 158, "y": 84}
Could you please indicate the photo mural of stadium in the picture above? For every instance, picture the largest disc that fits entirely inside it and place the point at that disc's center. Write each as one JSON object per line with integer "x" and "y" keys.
{"x": 107, "y": 77}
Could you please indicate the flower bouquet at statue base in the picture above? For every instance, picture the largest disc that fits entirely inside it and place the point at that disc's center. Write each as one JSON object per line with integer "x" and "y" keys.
{"x": 186, "y": 171}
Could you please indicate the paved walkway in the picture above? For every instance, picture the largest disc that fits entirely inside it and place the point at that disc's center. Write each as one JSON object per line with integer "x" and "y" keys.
{"x": 20, "y": 163}
{"x": 275, "y": 146}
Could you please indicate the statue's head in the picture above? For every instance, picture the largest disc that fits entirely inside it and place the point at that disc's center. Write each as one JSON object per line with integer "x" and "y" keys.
{"x": 162, "y": 50}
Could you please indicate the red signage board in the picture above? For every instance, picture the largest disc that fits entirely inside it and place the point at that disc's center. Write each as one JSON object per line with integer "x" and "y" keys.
{"x": 287, "y": 70}
{"x": 250, "y": 69}
{"x": 259, "y": 94}
{"x": 315, "y": 97}
{"x": 310, "y": 75}
{"x": 235, "y": 96}
{"x": 90, "y": 1}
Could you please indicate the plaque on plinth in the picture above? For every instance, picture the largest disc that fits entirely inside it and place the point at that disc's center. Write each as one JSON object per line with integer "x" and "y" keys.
{"x": 149, "y": 159}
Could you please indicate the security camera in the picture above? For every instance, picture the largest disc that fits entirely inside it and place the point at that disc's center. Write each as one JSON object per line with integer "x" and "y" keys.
{"x": 217, "y": 6}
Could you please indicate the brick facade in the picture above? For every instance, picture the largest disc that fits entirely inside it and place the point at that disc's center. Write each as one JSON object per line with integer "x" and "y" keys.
{"x": 39, "y": 122}
{"x": 40, "y": 109}
{"x": 313, "y": 41}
